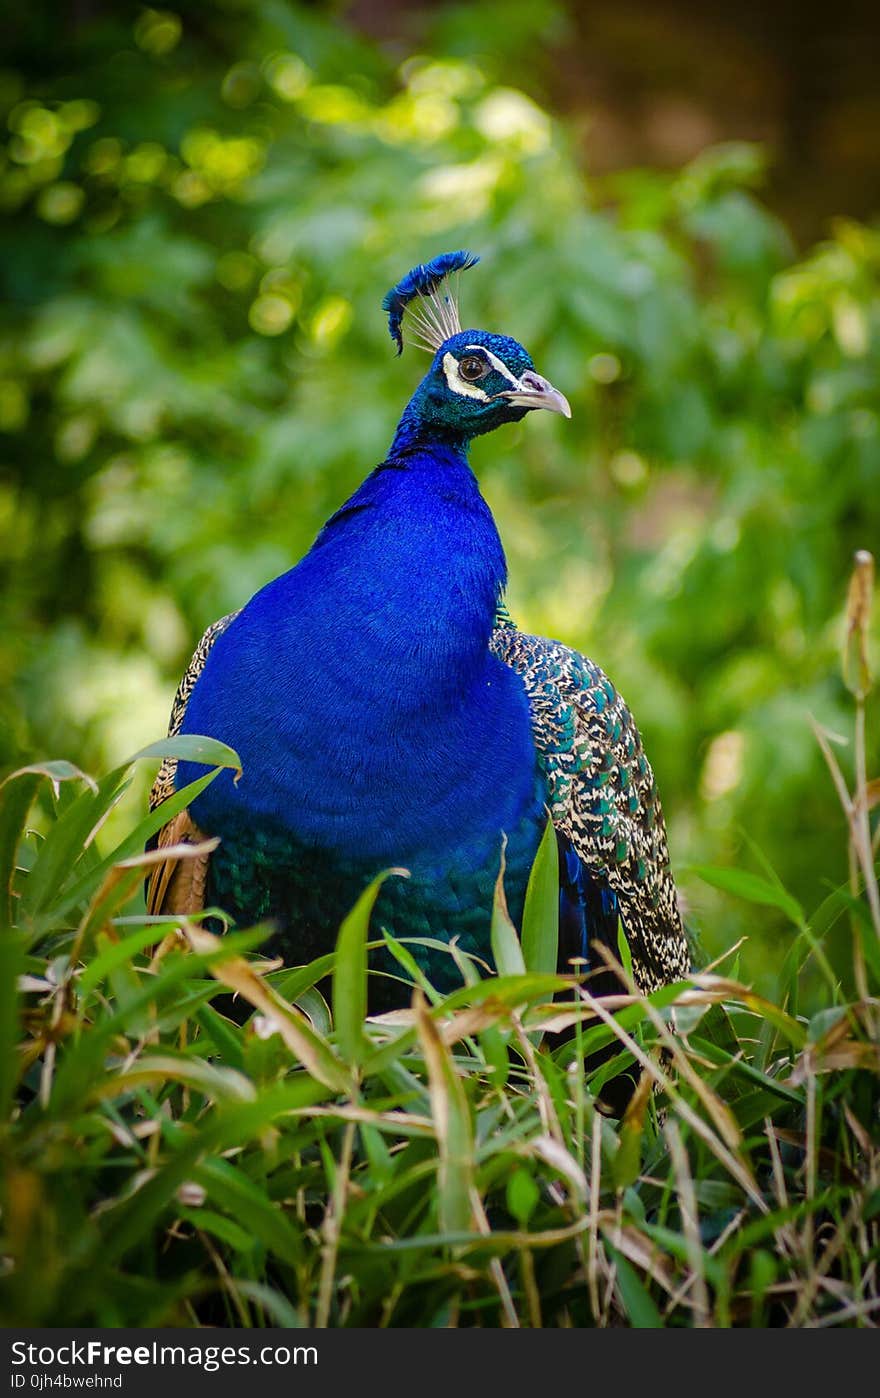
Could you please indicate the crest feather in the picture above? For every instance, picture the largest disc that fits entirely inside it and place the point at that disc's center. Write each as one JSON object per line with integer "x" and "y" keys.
{"x": 434, "y": 317}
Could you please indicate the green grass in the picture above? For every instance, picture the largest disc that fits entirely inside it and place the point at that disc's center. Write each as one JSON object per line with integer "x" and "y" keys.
{"x": 171, "y": 1156}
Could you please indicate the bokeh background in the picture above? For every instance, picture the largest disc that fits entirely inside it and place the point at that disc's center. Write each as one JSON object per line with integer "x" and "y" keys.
{"x": 675, "y": 205}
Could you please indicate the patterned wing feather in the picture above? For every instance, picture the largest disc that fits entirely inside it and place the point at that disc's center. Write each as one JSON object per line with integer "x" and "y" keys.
{"x": 163, "y": 786}
{"x": 178, "y": 885}
{"x": 602, "y": 794}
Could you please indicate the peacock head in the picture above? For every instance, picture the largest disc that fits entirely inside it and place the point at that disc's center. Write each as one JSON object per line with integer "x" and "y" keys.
{"x": 477, "y": 380}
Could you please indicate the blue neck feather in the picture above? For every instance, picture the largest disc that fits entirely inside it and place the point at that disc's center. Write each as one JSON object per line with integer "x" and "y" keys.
{"x": 415, "y": 434}
{"x": 369, "y": 680}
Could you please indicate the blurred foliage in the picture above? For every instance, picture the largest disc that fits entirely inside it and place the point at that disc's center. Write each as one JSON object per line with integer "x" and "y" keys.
{"x": 202, "y": 209}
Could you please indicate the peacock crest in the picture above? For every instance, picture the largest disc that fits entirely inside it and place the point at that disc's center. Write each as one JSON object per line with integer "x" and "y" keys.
{"x": 423, "y": 305}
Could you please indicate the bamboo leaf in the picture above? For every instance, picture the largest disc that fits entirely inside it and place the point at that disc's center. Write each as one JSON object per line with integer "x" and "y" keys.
{"x": 755, "y": 889}
{"x": 17, "y": 798}
{"x": 627, "y": 1162}
{"x": 452, "y": 1124}
{"x": 315, "y": 1054}
{"x": 540, "y": 936}
{"x": 190, "y": 747}
{"x": 64, "y": 843}
{"x": 635, "y": 1297}
{"x": 12, "y": 966}
{"x": 217, "y": 1083}
{"x": 506, "y": 949}
{"x": 55, "y": 772}
{"x": 75, "y": 893}
{"x": 232, "y": 1189}
{"x": 350, "y": 973}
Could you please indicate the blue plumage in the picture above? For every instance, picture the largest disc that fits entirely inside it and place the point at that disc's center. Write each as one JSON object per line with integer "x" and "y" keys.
{"x": 372, "y": 695}
{"x": 387, "y": 712}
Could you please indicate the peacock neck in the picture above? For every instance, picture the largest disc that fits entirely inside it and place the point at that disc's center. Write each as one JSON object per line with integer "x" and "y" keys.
{"x": 369, "y": 663}
{"x": 414, "y": 563}
{"x": 418, "y": 434}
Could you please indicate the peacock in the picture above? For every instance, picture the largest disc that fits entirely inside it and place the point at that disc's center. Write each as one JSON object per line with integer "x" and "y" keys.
{"x": 388, "y": 713}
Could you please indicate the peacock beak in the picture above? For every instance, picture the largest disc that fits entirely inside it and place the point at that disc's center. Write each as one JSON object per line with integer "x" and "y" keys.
{"x": 535, "y": 392}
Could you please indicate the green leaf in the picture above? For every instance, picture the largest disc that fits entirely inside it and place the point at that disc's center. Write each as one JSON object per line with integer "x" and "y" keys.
{"x": 452, "y": 1124}
{"x": 279, "y": 1309}
{"x": 113, "y": 894}
{"x": 12, "y": 965}
{"x": 17, "y": 799}
{"x": 404, "y": 958}
{"x": 627, "y": 1161}
{"x": 215, "y": 1083}
{"x": 540, "y": 937}
{"x": 81, "y": 889}
{"x": 123, "y": 1224}
{"x": 752, "y": 887}
{"x": 84, "y": 1059}
{"x": 291, "y": 984}
{"x": 492, "y": 1040}
{"x": 523, "y": 1195}
{"x": 55, "y": 772}
{"x": 634, "y": 1296}
{"x": 316, "y": 1010}
{"x": 233, "y": 1190}
{"x": 350, "y": 974}
{"x": 219, "y": 1031}
{"x": 740, "y": 1067}
{"x": 506, "y": 949}
{"x": 624, "y": 950}
{"x": 56, "y": 866}
{"x": 65, "y": 840}
{"x": 190, "y": 747}
{"x": 238, "y": 1238}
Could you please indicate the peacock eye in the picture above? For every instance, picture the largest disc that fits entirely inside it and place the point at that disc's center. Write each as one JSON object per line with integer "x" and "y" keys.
{"x": 472, "y": 368}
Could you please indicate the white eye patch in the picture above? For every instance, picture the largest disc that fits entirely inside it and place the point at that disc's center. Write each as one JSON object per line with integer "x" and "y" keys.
{"x": 457, "y": 383}
{"x": 497, "y": 364}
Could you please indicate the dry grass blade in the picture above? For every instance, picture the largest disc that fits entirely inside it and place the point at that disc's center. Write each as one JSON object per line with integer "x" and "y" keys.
{"x": 855, "y": 809}
{"x": 719, "y": 1114}
{"x": 464, "y": 1024}
{"x": 846, "y": 1052}
{"x": 859, "y": 602}
{"x": 721, "y": 1152}
{"x": 857, "y": 1310}
{"x": 496, "y": 1271}
{"x": 304, "y": 1043}
{"x": 640, "y": 1250}
{"x": 687, "y": 1200}
{"x": 832, "y": 1251}
{"x": 117, "y": 884}
{"x": 452, "y": 1124}
{"x": 593, "y": 1245}
{"x": 332, "y": 1229}
{"x": 554, "y": 1154}
{"x": 711, "y": 989}
{"x": 404, "y": 1123}
{"x": 545, "y": 1101}
{"x": 627, "y": 1161}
